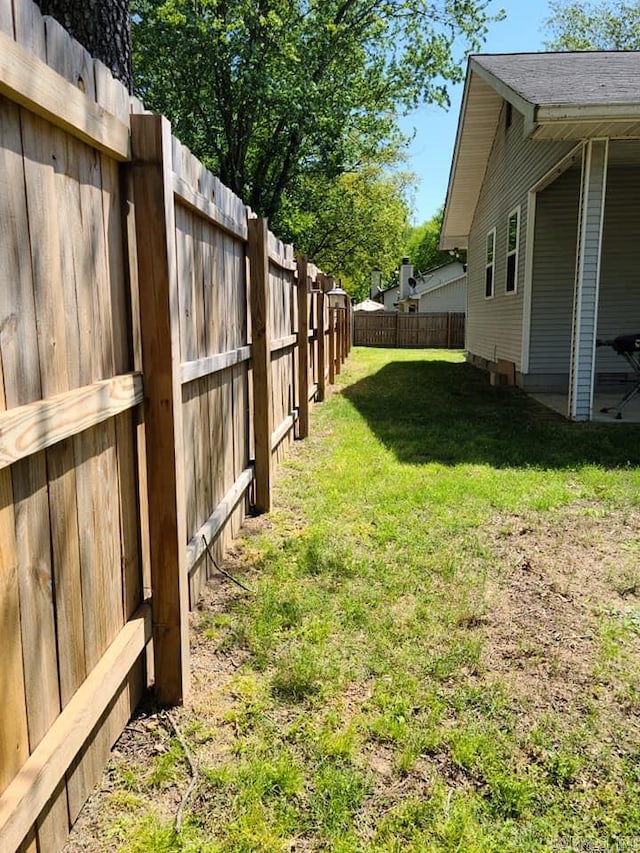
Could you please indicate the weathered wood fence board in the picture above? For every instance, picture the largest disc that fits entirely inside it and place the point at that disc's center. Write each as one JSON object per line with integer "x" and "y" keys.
{"x": 158, "y": 349}
{"x": 71, "y": 541}
{"x": 395, "y": 329}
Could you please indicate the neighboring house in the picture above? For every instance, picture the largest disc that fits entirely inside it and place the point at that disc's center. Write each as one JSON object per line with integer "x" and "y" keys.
{"x": 442, "y": 289}
{"x": 389, "y": 298}
{"x": 544, "y": 194}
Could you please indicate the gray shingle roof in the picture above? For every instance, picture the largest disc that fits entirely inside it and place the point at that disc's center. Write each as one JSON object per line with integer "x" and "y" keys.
{"x": 569, "y": 78}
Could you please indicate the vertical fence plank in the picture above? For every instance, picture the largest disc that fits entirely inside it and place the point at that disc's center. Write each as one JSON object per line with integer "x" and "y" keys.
{"x": 21, "y": 371}
{"x": 155, "y": 237}
{"x": 14, "y": 737}
{"x": 394, "y": 329}
{"x": 6, "y": 17}
{"x": 332, "y": 347}
{"x": 322, "y": 340}
{"x": 39, "y": 510}
{"x": 261, "y": 360}
{"x": 303, "y": 349}
{"x": 338, "y": 316}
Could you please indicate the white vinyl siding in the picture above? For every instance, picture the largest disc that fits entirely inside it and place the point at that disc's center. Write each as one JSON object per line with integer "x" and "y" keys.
{"x": 451, "y": 297}
{"x": 554, "y": 271}
{"x": 494, "y": 327}
{"x": 594, "y": 182}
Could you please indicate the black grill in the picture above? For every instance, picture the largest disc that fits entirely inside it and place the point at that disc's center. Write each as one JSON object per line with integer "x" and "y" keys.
{"x": 628, "y": 346}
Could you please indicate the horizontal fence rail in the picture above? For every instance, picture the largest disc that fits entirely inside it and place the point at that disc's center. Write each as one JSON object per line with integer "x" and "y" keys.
{"x": 396, "y": 329}
{"x": 159, "y": 350}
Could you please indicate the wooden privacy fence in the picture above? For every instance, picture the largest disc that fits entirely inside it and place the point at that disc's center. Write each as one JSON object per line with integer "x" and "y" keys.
{"x": 396, "y": 329}
{"x": 159, "y": 348}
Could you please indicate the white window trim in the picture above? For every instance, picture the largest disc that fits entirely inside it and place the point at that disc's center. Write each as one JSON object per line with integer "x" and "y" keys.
{"x": 515, "y": 252}
{"x": 492, "y": 264}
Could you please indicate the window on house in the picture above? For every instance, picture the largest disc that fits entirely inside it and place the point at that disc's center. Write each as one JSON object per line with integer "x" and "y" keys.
{"x": 490, "y": 261}
{"x": 513, "y": 241}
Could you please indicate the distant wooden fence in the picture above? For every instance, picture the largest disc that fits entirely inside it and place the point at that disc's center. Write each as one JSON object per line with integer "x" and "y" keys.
{"x": 159, "y": 348}
{"x": 396, "y": 329}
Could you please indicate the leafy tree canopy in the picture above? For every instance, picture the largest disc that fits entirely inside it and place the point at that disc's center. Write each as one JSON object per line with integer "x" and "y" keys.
{"x": 351, "y": 224}
{"x": 422, "y": 244}
{"x": 587, "y": 25}
{"x": 269, "y": 92}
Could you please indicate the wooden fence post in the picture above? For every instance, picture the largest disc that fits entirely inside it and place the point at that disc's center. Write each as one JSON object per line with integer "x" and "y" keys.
{"x": 345, "y": 332}
{"x": 332, "y": 347}
{"x": 258, "y": 251}
{"x": 155, "y": 237}
{"x": 339, "y": 339}
{"x": 320, "y": 323}
{"x": 303, "y": 349}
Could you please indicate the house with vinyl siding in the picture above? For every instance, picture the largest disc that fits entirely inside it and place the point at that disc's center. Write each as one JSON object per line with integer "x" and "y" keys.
{"x": 544, "y": 194}
{"x": 441, "y": 289}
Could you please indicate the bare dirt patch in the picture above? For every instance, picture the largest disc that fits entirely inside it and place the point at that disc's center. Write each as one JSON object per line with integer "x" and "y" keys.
{"x": 556, "y": 578}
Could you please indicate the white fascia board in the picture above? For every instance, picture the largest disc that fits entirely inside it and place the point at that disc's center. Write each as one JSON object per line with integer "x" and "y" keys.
{"x": 587, "y": 112}
{"x": 525, "y": 107}
{"x": 449, "y": 242}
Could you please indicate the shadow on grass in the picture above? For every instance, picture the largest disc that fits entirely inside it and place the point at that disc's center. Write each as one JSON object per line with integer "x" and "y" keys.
{"x": 435, "y": 411}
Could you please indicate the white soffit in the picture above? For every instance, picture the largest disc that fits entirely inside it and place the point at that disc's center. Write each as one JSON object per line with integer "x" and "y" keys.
{"x": 477, "y": 126}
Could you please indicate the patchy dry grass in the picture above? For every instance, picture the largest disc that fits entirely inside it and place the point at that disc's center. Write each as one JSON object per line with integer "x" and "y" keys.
{"x": 441, "y": 653}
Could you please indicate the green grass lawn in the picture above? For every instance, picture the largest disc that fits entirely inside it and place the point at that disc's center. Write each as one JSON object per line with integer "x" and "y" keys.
{"x": 440, "y": 652}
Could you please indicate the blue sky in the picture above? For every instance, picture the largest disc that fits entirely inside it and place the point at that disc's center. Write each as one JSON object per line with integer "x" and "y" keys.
{"x": 431, "y": 150}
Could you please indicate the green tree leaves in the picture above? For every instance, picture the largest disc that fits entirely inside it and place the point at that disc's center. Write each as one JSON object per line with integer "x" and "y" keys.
{"x": 351, "y": 224}
{"x": 294, "y": 104}
{"x": 266, "y": 90}
{"x": 608, "y": 25}
{"x": 422, "y": 244}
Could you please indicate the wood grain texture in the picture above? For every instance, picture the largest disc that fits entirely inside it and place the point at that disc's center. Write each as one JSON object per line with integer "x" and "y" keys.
{"x": 285, "y": 342}
{"x": 68, "y": 58}
{"x": 14, "y": 736}
{"x": 303, "y": 348}
{"x": 261, "y": 361}
{"x": 207, "y": 208}
{"x": 28, "y": 81}
{"x": 6, "y": 17}
{"x": 36, "y": 426}
{"x": 322, "y": 339}
{"x": 28, "y": 25}
{"x": 30, "y": 790}
{"x": 42, "y": 145}
{"x": 155, "y": 237}
{"x": 15, "y": 266}
{"x": 213, "y": 525}
{"x": 283, "y": 429}
{"x": 191, "y": 370}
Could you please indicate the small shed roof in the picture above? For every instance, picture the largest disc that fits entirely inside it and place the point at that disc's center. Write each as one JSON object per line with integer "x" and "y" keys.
{"x": 562, "y": 96}
{"x": 368, "y": 305}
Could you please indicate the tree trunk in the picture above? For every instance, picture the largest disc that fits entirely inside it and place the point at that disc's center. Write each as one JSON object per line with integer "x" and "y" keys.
{"x": 103, "y": 27}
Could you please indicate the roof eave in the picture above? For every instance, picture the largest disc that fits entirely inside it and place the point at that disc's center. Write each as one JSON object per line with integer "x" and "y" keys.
{"x": 445, "y": 243}
{"x": 525, "y": 107}
{"x": 587, "y": 112}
